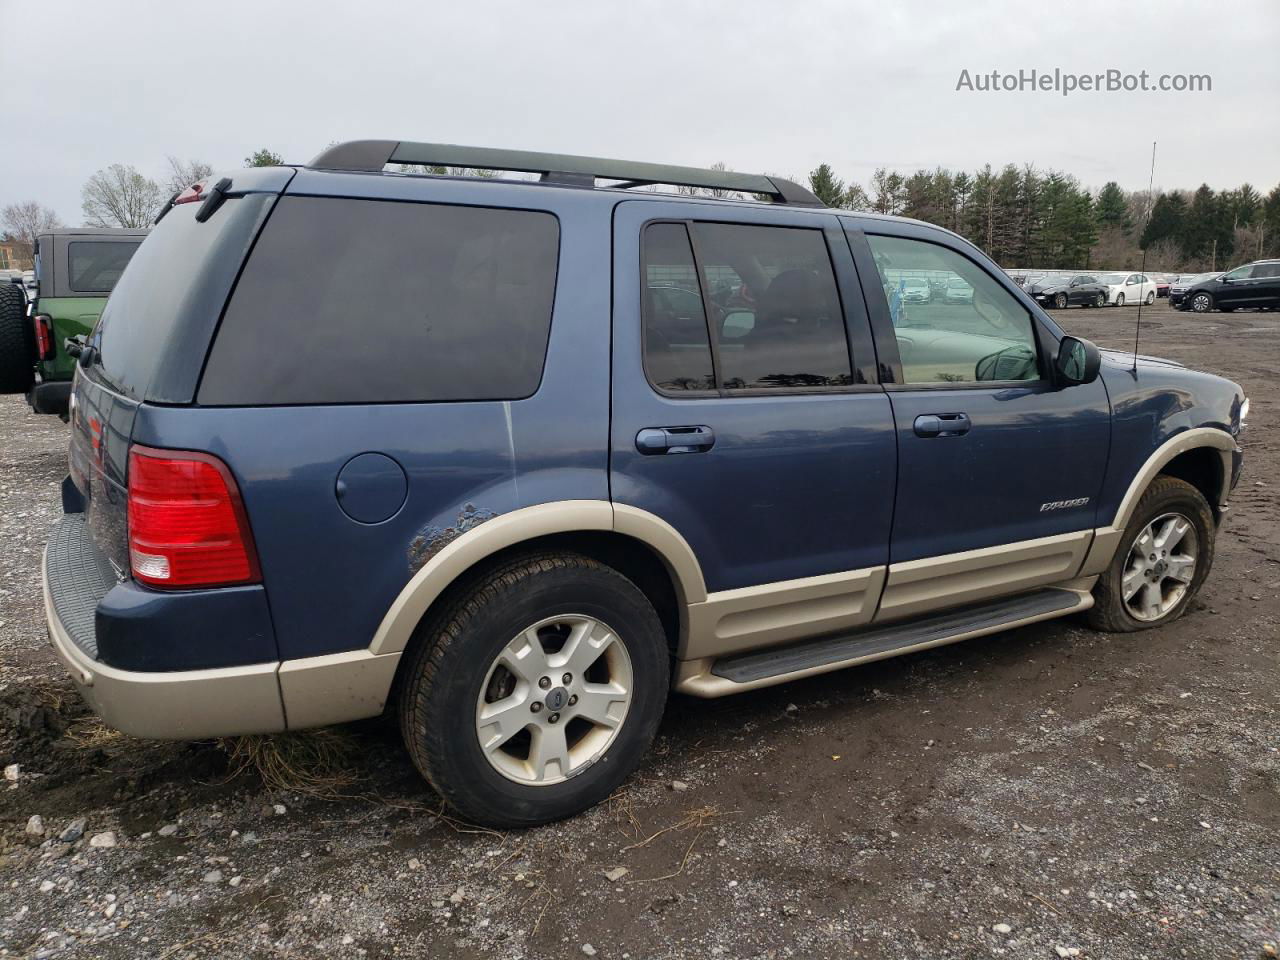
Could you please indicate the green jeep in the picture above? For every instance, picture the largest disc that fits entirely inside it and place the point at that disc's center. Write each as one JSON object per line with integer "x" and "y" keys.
{"x": 75, "y": 270}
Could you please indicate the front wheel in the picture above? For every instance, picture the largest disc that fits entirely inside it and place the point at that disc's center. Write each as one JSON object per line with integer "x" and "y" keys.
{"x": 536, "y": 692}
{"x": 1102, "y": 300}
{"x": 1163, "y": 559}
{"x": 1202, "y": 303}
{"x": 1060, "y": 301}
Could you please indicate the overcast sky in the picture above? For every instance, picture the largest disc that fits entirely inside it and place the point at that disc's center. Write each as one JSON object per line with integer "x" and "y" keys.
{"x": 766, "y": 87}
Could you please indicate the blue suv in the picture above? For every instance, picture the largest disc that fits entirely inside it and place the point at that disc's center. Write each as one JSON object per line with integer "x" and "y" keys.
{"x": 514, "y": 457}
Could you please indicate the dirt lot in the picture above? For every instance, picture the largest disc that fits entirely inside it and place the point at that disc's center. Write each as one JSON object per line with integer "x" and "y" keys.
{"x": 1045, "y": 792}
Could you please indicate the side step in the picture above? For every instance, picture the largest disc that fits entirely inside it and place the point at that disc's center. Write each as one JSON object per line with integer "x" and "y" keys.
{"x": 744, "y": 671}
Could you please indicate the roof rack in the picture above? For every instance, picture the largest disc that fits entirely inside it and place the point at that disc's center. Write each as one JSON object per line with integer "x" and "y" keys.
{"x": 374, "y": 155}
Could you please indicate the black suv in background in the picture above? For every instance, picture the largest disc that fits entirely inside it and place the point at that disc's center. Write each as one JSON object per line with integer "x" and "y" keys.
{"x": 1255, "y": 284}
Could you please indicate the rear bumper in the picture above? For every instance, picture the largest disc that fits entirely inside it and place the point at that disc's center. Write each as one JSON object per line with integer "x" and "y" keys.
{"x": 168, "y": 705}
{"x": 50, "y": 397}
{"x": 193, "y": 704}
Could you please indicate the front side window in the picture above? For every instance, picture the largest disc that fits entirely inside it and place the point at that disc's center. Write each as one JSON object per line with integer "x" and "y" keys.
{"x": 1239, "y": 273}
{"x": 94, "y": 266}
{"x": 373, "y": 301}
{"x": 983, "y": 336}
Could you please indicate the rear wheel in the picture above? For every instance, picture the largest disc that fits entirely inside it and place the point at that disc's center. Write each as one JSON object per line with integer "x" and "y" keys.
{"x": 17, "y": 341}
{"x": 1163, "y": 559}
{"x": 536, "y": 692}
{"x": 1119, "y": 299}
{"x": 1151, "y": 298}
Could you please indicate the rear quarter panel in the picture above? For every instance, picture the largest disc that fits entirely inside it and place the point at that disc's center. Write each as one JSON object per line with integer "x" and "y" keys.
{"x": 330, "y": 579}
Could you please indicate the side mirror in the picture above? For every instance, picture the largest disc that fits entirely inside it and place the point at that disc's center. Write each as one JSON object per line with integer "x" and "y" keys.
{"x": 1078, "y": 362}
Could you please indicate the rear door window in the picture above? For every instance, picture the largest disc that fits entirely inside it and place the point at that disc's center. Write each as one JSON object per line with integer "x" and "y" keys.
{"x": 94, "y": 266}
{"x": 741, "y": 308}
{"x": 369, "y": 301}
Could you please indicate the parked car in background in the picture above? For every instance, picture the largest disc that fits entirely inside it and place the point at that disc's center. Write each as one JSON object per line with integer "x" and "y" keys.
{"x": 1163, "y": 282}
{"x": 1130, "y": 288}
{"x": 523, "y": 498}
{"x": 959, "y": 290}
{"x": 1084, "y": 289}
{"x": 76, "y": 269}
{"x": 1185, "y": 281}
{"x": 1254, "y": 285}
{"x": 915, "y": 290}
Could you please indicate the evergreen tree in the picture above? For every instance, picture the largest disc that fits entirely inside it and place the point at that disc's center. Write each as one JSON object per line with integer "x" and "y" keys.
{"x": 826, "y": 186}
{"x": 1112, "y": 208}
{"x": 1167, "y": 218}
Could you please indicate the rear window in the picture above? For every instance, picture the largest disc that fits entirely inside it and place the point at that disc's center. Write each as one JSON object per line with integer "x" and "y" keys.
{"x": 94, "y": 266}
{"x": 370, "y": 301}
{"x": 156, "y": 324}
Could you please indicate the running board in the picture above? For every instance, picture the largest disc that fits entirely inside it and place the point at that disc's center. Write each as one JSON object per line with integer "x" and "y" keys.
{"x": 762, "y": 668}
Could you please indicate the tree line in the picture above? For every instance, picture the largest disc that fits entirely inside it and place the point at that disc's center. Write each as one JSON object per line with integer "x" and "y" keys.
{"x": 115, "y": 196}
{"x": 1020, "y": 216}
{"x": 1024, "y": 217}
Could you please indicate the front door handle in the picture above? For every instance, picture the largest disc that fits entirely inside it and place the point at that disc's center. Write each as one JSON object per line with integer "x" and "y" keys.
{"x": 655, "y": 440}
{"x": 942, "y": 425}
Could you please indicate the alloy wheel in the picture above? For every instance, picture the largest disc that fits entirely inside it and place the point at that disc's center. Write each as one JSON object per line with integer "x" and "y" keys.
{"x": 554, "y": 699}
{"x": 1160, "y": 567}
{"x": 1201, "y": 303}
{"x": 1102, "y": 299}
{"x": 1060, "y": 301}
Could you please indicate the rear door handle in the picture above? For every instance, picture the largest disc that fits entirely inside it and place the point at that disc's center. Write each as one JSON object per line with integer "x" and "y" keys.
{"x": 655, "y": 440}
{"x": 942, "y": 425}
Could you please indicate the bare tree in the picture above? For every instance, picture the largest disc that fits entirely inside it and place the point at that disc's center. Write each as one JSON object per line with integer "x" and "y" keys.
{"x": 26, "y": 221}
{"x": 183, "y": 173}
{"x": 120, "y": 196}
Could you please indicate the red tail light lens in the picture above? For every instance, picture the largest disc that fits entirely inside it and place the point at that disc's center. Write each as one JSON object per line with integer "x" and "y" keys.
{"x": 44, "y": 336}
{"x": 187, "y": 525}
{"x": 191, "y": 194}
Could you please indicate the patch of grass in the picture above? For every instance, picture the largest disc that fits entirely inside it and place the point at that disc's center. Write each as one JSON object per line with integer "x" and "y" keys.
{"x": 92, "y": 734}
{"x": 318, "y": 763}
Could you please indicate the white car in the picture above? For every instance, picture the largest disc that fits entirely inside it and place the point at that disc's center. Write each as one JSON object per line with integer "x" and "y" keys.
{"x": 1129, "y": 288}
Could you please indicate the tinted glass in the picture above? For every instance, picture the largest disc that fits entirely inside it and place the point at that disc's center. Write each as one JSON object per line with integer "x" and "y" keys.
{"x": 364, "y": 301}
{"x": 174, "y": 289}
{"x": 774, "y": 305}
{"x": 94, "y": 266}
{"x": 1267, "y": 270}
{"x": 984, "y": 336}
{"x": 676, "y": 348}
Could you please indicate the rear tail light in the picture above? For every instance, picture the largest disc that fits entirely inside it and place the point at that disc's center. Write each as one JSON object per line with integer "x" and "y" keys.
{"x": 44, "y": 336}
{"x": 187, "y": 524}
{"x": 191, "y": 194}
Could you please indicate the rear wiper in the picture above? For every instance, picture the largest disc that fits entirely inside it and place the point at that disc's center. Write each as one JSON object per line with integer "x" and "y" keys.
{"x": 213, "y": 200}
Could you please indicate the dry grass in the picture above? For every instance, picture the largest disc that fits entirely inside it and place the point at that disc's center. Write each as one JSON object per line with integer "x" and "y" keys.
{"x": 92, "y": 734}
{"x": 318, "y": 763}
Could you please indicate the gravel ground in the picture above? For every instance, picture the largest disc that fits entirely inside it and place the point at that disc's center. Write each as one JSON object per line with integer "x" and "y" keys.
{"x": 1045, "y": 792}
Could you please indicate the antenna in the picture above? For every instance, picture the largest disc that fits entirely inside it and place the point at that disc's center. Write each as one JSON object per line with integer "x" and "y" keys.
{"x": 1151, "y": 205}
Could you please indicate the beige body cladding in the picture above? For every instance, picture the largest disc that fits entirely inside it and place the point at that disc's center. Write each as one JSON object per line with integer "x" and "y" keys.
{"x": 347, "y": 686}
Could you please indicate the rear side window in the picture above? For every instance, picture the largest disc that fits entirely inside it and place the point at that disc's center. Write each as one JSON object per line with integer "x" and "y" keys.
{"x": 94, "y": 266}
{"x": 363, "y": 301}
{"x": 755, "y": 309}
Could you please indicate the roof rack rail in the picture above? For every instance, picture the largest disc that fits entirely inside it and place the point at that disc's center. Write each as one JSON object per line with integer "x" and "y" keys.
{"x": 374, "y": 155}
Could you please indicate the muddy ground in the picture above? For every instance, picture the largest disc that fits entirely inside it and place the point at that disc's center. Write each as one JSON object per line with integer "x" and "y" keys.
{"x": 1040, "y": 793}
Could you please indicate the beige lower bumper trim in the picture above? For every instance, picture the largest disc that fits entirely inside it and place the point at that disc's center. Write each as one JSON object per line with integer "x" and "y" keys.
{"x": 183, "y": 705}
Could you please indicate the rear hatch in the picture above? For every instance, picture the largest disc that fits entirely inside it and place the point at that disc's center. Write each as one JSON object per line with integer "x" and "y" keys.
{"x": 150, "y": 343}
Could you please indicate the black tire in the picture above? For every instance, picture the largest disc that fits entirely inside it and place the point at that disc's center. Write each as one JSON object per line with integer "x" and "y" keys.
{"x": 1060, "y": 301}
{"x": 451, "y": 658}
{"x": 1102, "y": 300}
{"x": 17, "y": 342}
{"x": 1119, "y": 299}
{"x": 1201, "y": 302}
{"x": 1151, "y": 298}
{"x": 1165, "y": 495}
